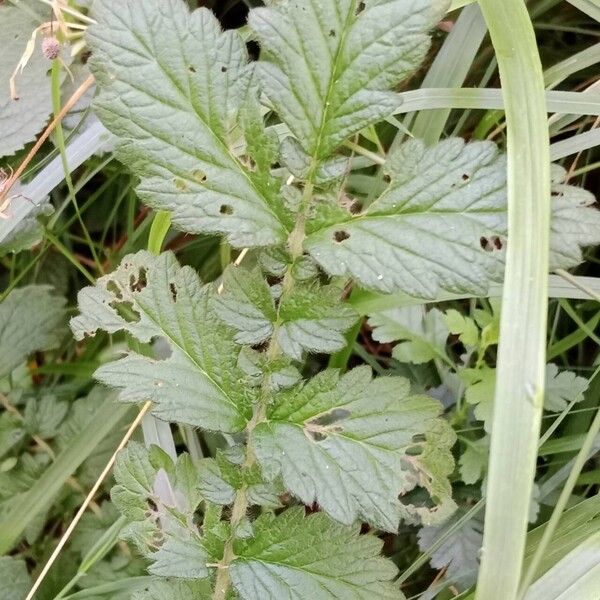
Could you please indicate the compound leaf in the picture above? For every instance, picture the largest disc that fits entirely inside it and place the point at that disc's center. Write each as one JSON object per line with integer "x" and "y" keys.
{"x": 563, "y": 388}
{"x": 311, "y": 317}
{"x": 171, "y": 86}
{"x": 31, "y": 318}
{"x": 292, "y": 556}
{"x": 354, "y": 445}
{"x": 422, "y": 335}
{"x": 222, "y": 476}
{"x": 328, "y": 65}
{"x": 149, "y": 297}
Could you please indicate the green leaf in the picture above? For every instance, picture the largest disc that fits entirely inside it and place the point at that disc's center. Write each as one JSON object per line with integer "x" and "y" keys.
{"x": 354, "y": 445}
{"x": 152, "y": 296}
{"x": 135, "y": 476}
{"x": 575, "y": 221}
{"x": 563, "y": 388}
{"x": 294, "y": 556}
{"x": 184, "y": 558}
{"x": 159, "y": 498}
{"x": 31, "y": 318}
{"x": 423, "y": 335}
{"x": 473, "y": 461}
{"x": 464, "y": 327}
{"x": 246, "y": 304}
{"x": 327, "y": 70}
{"x": 480, "y": 392}
{"x": 146, "y": 478}
{"x": 43, "y": 416}
{"x": 310, "y": 317}
{"x": 222, "y": 476}
{"x": 174, "y": 590}
{"x": 313, "y": 318}
{"x": 459, "y": 554}
{"x": 29, "y": 231}
{"x": 441, "y": 224}
{"x": 22, "y": 119}
{"x": 14, "y": 577}
{"x": 11, "y": 432}
{"x": 171, "y": 86}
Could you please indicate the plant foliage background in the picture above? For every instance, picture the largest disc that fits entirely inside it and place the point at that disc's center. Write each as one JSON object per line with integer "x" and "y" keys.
{"x": 302, "y": 276}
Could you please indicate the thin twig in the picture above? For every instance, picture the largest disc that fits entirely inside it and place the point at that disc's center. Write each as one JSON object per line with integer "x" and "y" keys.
{"x": 88, "y": 499}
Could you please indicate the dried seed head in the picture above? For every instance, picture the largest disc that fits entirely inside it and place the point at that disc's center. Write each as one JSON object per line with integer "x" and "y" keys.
{"x": 50, "y": 48}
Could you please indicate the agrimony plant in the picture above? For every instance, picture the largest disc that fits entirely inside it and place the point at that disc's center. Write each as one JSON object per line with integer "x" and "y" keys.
{"x": 258, "y": 152}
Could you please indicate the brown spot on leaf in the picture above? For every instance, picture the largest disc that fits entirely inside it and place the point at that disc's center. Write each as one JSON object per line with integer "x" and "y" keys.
{"x": 340, "y": 236}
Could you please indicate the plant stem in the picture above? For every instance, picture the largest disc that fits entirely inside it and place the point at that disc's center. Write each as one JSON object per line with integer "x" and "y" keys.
{"x": 521, "y": 354}
{"x": 240, "y": 504}
{"x": 59, "y": 138}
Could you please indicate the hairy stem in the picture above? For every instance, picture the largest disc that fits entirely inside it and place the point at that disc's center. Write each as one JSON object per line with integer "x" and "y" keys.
{"x": 240, "y": 504}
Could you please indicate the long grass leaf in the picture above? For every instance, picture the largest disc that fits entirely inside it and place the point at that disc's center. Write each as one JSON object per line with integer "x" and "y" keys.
{"x": 521, "y": 353}
{"x": 45, "y": 488}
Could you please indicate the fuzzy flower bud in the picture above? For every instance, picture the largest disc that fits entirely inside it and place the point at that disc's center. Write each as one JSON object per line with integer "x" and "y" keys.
{"x": 50, "y": 48}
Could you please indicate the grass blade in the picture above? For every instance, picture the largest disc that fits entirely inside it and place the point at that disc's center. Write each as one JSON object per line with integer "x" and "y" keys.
{"x": 107, "y": 416}
{"x": 450, "y": 69}
{"x": 521, "y": 354}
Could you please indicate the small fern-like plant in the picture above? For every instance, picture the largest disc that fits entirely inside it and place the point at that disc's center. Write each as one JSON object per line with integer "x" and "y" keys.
{"x": 262, "y": 153}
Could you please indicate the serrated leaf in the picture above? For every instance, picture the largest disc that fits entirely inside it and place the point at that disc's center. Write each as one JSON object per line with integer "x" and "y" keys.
{"x": 135, "y": 476}
{"x": 11, "y": 432}
{"x": 31, "y": 318}
{"x": 310, "y": 318}
{"x": 463, "y": 326}
{"x": 313, "y": 319}
{"x": 246, "y": 304}
{"x": 175, "y": 590}
{"x": 293, "y": 556}
{"x": 327, "y": 70}
{"x": 563, "y": 388}
{"x": 29, "y": 231}
{"x": 274, "y": 373}
{"x": 22, "y": 119}
{"x": 171, "y": 85}
{"x": 159, "y": 499}
{"x": 14, "y": 577}
{"x": 427, "y": 225}
{"x": 422, "y": 335}
{"x": 152, "y": 296}
{"x": 459, "y": 554}
{"x": 473, "y": 461}
{"x": 43, "y": 416}
{"x": 182, "y": 557}
{"x": 440, "y": 224}
{"x": 575, "y": 221}
{"x": 354, "y": 445}
{"x": 220, "y": 479}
